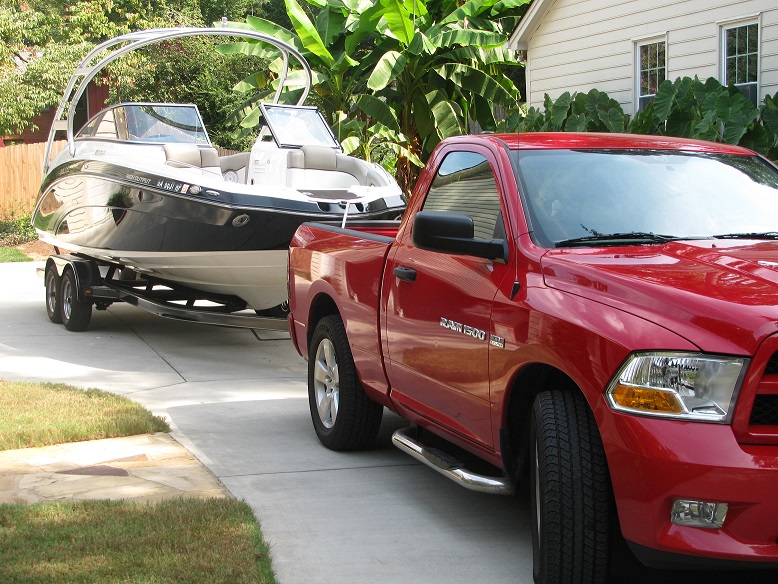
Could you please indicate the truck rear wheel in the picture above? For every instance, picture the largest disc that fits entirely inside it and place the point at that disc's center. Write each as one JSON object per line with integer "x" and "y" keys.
{"x": 569, "y": 491}
{"x": 51, "y": 280}
{"x": 343, "y": 415}
{"x": 75, "y": 313}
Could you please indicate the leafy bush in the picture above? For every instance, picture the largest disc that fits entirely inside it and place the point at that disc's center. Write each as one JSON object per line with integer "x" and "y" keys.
{"x": 685, "y": 108}
{"x": 16, "y": 229}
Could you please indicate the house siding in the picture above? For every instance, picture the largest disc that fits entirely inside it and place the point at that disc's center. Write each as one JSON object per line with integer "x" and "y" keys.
{"x": 581, "y": 44}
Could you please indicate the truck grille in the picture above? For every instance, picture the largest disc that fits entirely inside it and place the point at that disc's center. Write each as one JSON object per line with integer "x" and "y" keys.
{"x": 765, "y": 411}
{"x": 760, "y": 425}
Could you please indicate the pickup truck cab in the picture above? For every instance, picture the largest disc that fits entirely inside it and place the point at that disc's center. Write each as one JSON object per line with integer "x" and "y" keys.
{"x": 594, "y": 314}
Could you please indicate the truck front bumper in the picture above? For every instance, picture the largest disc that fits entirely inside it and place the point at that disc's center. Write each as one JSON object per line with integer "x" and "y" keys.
{"x": 655, "y": 463}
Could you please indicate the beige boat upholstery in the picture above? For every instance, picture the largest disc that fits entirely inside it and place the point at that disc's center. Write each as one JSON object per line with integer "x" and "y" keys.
{"x": 192, "y": 156}
{"x": 322, "y": 167}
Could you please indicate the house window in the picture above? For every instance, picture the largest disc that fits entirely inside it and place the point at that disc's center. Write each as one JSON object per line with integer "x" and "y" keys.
{"x": 741, "y": 58}
{"x": 652, "y": 70}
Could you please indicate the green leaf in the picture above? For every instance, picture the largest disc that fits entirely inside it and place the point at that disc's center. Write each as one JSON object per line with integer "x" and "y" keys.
{"x": 475, "y": 81}
{"x": 575, "y": 123}
{"x": 445, "y": 113}
{"x": 270, "y": 28}
{"x": 467, "y": 37}
{"x": 770, "y": 121}
{"x": 560, "y": 109}
{"x": 614, "y": 120}
{"x": 386, "y": 70}
{"x": 421, "y": 44}
{"x": 403, "y": 151}
{"x": 395, "y": 15}
{"x": 350, "y": 144}
{"x": 308, "y": 34}
{"x": 330, "y": 23}
{"x": 378, "y": 110}
{"x": 468, "y": 10}
{"x": 663, "y": 100}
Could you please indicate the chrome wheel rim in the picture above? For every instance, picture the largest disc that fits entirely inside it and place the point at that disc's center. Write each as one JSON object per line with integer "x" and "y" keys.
{"x": 51, "y": 293}
{"x": 326, "y": 383}
{"x": 67, "y": 298}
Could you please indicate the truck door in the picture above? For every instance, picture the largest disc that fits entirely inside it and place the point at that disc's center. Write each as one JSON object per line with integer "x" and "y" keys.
{"x": 438, "y": 305}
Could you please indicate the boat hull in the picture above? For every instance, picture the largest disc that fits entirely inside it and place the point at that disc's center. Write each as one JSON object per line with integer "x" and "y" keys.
{"x": 217, "y": 241}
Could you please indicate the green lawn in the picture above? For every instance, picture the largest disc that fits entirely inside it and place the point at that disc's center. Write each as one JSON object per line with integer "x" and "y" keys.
{"x": 11, "y": 254}
{"x": 178, "y": 540}
{"x": 39, "y": 414}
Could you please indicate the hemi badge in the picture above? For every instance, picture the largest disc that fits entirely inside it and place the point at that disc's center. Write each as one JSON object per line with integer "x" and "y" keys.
{"x": 496, "y": 341}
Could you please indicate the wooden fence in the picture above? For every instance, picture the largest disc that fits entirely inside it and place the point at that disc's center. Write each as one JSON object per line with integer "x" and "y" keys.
{"x": 20, "y": 176}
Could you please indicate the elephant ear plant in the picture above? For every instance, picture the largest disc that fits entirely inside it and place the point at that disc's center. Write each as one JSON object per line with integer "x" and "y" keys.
{"x": 408, "y": 73}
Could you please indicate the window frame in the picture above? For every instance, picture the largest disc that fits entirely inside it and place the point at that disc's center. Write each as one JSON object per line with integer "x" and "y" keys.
{"x": 639, "y": 43}
{"x": 741, "y": 22}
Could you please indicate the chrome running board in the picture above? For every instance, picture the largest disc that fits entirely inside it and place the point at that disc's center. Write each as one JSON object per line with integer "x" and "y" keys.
{"x": 450, "y": 467}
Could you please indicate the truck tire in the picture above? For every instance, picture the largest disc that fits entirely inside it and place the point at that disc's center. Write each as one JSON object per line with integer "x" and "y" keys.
{"x": 343, "y": 415}
{"x": 51, "y": 281}
{"x": 570, "y": 494}
{"x": 75, "y": 313}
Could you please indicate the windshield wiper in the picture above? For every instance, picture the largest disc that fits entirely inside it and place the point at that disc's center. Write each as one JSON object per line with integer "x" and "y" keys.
{"x": 753, "y": 235}
{"x": 627, "y": 238}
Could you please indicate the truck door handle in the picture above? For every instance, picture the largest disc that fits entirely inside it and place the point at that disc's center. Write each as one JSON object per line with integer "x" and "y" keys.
{"x": 407, "y": 274}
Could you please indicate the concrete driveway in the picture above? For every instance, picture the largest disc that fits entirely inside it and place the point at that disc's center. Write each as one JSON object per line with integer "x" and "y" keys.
{"x": 239, "y": 404}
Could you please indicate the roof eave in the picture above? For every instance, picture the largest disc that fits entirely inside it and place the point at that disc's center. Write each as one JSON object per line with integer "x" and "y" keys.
{"x": 519, "y": 39}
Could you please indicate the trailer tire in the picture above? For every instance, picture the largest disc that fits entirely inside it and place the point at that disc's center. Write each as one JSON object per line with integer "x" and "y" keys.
{"x": 75, "y": 313}
{"x": 570, "y": 500}
{"x": 52, "y": 283}
{"x": 344, "y": 417}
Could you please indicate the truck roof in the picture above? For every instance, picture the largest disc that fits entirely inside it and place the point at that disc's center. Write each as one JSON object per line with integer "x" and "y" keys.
{"x": 607, "y": 141}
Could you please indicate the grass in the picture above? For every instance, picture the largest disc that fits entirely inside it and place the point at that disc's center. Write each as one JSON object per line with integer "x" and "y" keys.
{"x": 11, "y": 254}
{"x": 178, "y": 540}
{"x": 39, "y": 414}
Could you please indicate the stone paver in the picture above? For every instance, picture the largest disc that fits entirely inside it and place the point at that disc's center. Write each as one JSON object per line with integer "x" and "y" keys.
{"x": 148, "y": 467}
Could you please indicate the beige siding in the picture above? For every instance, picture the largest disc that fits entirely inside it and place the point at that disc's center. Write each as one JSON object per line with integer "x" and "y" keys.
{"x": 582, "y": 44}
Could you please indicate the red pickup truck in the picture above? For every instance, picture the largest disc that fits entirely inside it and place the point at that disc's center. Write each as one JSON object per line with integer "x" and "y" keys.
{"x": 594, "y": 314}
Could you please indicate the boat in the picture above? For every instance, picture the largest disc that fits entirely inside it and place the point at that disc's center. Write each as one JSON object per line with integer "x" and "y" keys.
{"x": 140, "y": 188}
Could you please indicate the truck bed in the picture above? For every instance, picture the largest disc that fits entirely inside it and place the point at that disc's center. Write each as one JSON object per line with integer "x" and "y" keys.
{"x": 332, "y": 269}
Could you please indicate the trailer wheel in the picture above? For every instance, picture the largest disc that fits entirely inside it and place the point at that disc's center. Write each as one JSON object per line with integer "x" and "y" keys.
{"x": 343, "y": 415}
{"x": 51, "y": 281}
{"x": 75, "y": 313}
{"x": 569, "y": 491}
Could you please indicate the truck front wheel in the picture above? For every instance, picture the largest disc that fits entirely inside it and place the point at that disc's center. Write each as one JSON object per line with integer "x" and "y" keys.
{"x": 569, "y": 491}
{"x": 343, "y": 415}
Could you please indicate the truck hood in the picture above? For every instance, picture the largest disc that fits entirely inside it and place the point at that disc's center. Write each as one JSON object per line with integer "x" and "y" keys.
{"x": 721, "y": 295}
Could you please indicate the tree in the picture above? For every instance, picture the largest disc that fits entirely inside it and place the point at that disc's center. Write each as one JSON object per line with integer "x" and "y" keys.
{"x": 41, "y": 41}
{"x": 421, "y": 69}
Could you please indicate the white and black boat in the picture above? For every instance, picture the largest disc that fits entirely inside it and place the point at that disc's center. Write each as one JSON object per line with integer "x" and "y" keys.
{"x": 141, "y": 188}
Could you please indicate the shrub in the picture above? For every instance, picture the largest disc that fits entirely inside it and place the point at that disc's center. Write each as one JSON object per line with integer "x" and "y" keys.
{"x": 686, "y": 108}
{"x": 16, "y": 229}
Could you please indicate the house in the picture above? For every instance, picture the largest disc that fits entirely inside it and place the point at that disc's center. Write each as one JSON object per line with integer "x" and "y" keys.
{"x": 626, "y": 48}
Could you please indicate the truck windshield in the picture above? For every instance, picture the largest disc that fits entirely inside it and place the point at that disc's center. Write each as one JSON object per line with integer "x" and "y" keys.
{"x": 624, "y": 197}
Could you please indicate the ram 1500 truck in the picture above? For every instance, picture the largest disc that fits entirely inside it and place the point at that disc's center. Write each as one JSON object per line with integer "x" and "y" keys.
{"x": 594, "y": 314}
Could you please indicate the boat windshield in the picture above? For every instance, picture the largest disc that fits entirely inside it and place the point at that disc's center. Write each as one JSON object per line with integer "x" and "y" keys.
{"x": 297, "y": 126}
{"x": 148, "y": 123}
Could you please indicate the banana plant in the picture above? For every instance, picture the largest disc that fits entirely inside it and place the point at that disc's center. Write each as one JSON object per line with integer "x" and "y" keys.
{"x": 415, "y": 69}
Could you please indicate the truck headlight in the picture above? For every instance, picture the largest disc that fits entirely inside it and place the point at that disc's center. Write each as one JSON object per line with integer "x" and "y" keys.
{"x": 683, "y": 386}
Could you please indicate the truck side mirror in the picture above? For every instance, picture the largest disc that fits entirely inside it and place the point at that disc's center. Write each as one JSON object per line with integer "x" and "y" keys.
{"x": 448, "y": 232}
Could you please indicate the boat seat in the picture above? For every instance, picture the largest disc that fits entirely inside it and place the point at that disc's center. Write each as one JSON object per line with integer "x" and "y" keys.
{"x": 317, "y": 167}
{"x": 234, "y": 166}
{"x": 192, "y": 156}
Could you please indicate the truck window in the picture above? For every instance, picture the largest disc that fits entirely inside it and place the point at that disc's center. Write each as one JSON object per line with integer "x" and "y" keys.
{"x": 465, "y": 184}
